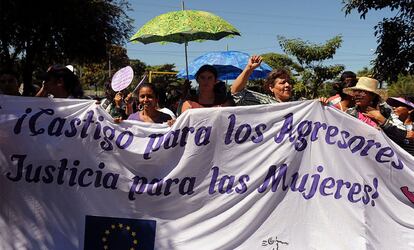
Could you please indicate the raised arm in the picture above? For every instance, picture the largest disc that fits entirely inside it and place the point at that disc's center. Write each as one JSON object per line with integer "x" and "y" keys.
{"x": 129, "y": 102}
{"x": 240, "y": 83}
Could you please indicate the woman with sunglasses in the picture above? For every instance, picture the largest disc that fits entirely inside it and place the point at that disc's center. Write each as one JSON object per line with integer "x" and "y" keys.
{"x": 370, "y": 107}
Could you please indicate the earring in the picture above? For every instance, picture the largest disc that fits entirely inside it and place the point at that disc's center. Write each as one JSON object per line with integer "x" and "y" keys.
{"x": 140, "y": 107}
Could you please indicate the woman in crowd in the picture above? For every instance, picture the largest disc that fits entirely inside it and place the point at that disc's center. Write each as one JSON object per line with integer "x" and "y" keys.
{"x": 404, "y": 110}
{"x": 9, "y": 84}
{"x": 211, "y": 92}
{"x": 277, "y": 83}
{"x": 367, "y": 108}
{"x": 60, "y": 82}
{"x": 113, "y": 102}
{"x": 341, "y": 100}
{"x": 148, "y": 106}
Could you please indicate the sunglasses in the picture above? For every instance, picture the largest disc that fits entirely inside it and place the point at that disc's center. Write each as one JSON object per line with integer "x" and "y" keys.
{"x": 360, "y": 92}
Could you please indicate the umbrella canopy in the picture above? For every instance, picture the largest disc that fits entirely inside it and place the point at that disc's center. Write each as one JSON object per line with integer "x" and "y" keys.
{"x": 229, "y": 65}
{"x": 184, "y": 26}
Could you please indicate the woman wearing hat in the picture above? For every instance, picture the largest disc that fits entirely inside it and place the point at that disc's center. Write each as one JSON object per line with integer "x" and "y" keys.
{"x": 60, "y": 82}
{"x": 404, "y": 109}
{"x": 371, "y": 109}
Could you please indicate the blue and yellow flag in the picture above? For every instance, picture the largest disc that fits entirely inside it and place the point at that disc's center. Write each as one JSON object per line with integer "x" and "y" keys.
{"x": 119, "y": 233}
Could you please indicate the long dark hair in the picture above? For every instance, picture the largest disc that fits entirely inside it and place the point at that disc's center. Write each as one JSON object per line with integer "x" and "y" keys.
{"x": 339, "y": 86}
{"x": 205, "y": 68}
{"x": 148, "y": 85}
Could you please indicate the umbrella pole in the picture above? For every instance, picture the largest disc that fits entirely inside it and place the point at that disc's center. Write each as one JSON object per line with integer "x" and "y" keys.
{"x": 185, "y": 47}
{"x": 186, "y": 58}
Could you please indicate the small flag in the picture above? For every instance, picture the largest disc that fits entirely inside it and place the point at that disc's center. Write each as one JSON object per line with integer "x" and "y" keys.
{"x": 119, "y": 233}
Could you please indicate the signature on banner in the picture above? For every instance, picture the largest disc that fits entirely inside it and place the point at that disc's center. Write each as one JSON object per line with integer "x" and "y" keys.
{"x": 274, "y": 243}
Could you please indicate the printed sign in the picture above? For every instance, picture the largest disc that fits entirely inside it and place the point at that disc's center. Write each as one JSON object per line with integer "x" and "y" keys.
{"x": 122, "y": 79}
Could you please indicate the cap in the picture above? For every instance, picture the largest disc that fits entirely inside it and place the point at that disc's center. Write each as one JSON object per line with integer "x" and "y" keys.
{"x": 56, "y": 70}
{"x": 399, "y": 101}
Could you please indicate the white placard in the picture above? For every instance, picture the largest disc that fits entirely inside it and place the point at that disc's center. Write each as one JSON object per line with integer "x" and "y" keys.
{"x": 122, "y": 79}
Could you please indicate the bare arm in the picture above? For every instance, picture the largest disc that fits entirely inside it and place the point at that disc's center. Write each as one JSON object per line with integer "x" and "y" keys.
{"x": 186, "y": 105}
{"x": 128, "y": 107}
{"x": 42, "y": 92}
{"x": 240, "y": 83}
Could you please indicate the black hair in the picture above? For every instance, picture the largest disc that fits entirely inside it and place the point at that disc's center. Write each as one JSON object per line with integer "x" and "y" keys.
{"x": 339, "y": 86}
{"x": 376, "y": 100}
{"x": 347, "y": 74}
{"x": 411, "y": 115}
{"x": 148, "y": 85}
{"x": 72, "y": 85}
{"x": 205, "y": 68}
{"x": 71, "y": 81}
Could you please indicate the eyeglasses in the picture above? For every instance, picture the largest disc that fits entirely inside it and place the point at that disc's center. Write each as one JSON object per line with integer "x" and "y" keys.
{"x": 360, "y": 92}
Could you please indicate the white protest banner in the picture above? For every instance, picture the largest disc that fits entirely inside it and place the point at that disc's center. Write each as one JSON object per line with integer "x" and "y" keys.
{"x": 122, "y": 78}
{"x": 285, "y": 176}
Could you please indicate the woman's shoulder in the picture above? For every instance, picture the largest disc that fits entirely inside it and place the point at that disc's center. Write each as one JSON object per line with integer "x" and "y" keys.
{"x": 134, "y": 116}
{"x": 193, "y": 104}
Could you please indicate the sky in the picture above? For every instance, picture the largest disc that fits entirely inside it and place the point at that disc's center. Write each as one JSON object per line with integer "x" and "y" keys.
{"x": 260, "y": 22}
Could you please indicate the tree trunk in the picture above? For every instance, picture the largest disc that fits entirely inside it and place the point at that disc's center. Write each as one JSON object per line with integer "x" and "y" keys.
{"x": 27, "y": 72}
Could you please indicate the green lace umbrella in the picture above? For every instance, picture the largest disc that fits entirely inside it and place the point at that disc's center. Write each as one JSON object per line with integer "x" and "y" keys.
{"x": 184, "y": 26}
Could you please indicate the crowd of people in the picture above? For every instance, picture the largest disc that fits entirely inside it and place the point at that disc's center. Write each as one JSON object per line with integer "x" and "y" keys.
{"x": 358, "y": 97}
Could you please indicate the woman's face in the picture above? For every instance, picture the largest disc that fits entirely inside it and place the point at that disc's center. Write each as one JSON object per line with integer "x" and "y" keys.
{"x": 402, "y": 112}
{"x": 282, "y": 89}
{"x": 9, "y": 85}
{"x": 363, "y": 98}
{"x": 206, "y": 80}
{"x": 146, "y": 98}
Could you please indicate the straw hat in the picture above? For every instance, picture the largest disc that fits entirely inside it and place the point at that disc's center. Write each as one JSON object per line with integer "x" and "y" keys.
{"x": 369, "y": 85}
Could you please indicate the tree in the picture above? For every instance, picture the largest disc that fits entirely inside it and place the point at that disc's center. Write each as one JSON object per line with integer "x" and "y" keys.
{"x": 403, "y": 87}
{"x": 96, "y": 74}
{"x": 162, "y": 80}
{"x": 395, "y": 36}
{"x": 276, "y": 60}
{"x": 365, "y": 71}
{"x": 310, "y": 57}
{"x": 39, "y": 33}
{"x": 139, "y": 68}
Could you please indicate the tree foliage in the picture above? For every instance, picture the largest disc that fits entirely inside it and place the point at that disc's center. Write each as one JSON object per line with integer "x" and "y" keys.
{"x": 39, "y": 33}
{"x": 365, "y": 71}
{"x": 96, "y": 74}
{"x": 139, "y": 68}
{"x": 308, "y": 53}
{"x": 310, "y": 57}
{"x": 276, "y": 61}
{"x": 403, "y": 87}
{"x": 162, "y": 80}
{"x": 395, "y": 36}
